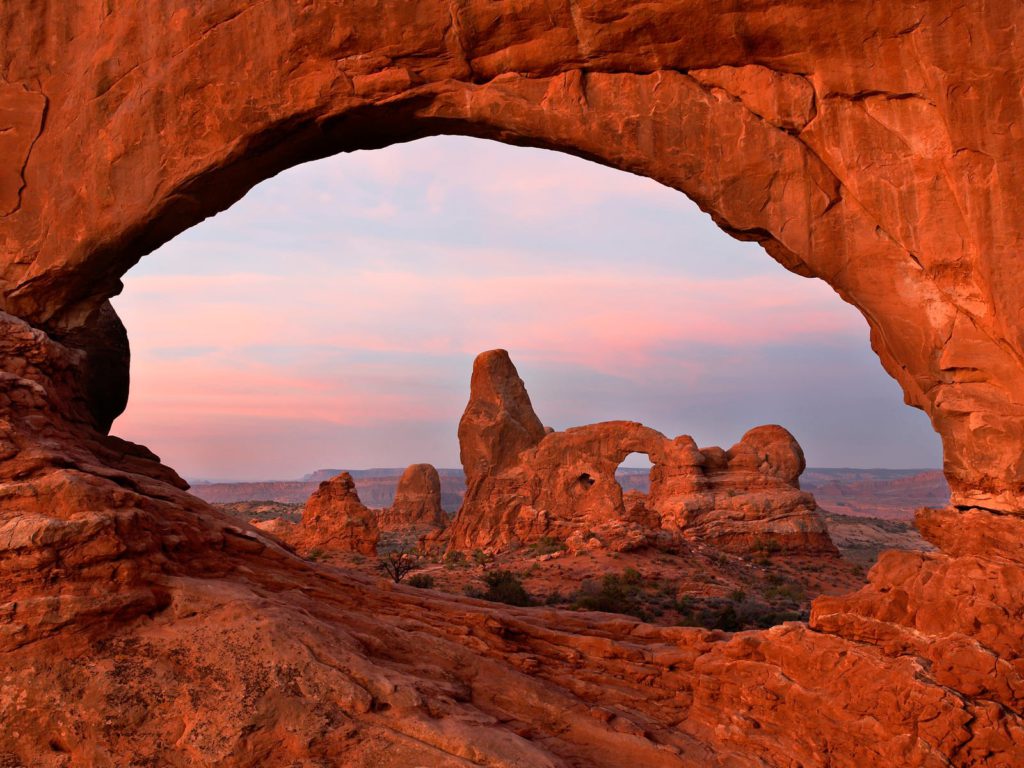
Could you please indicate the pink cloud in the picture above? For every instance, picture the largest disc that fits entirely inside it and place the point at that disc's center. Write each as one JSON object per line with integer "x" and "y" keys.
{"x": 286, "y": 338}
{"x": 600, "y": 318}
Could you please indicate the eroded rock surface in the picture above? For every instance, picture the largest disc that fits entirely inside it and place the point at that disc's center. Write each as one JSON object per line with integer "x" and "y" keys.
{"x": 417, "y": 507}
{"x": 335, "y": 519}
{"x": 875, "y": 146}
{"x": 562, "y": 485}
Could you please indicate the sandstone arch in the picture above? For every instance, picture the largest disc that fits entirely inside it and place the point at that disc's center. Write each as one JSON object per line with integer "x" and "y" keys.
{"x": 874, "y": 147}
{"x": 839, "y": 147}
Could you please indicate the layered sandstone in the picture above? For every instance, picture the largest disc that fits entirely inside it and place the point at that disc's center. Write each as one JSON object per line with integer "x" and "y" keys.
{"x": 562, "y": 485}
{"x": 874, "y": 146}
{"x": 417, "y": 506}
{"x": 335, "y": 519}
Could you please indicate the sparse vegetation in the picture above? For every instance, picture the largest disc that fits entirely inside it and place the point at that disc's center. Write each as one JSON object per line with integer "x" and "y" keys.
{"x": 733, "y": 615}
{"x": 398, "y": 564}
{"x": 421, "y": 580}
{"x": 768, "y": 547}
{"x": 482, "y": 558}
{"x": 781, "y": 590}
{"x": 455, "y": 559}
{"x": 617, "y": 593}
{"x": 502, "y": 587}
{"x": 316, "y": 554}
{"x": 547, "y": 545}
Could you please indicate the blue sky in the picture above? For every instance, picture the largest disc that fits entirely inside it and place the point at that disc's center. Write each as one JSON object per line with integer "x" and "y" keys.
{"x": 331, "y": 317}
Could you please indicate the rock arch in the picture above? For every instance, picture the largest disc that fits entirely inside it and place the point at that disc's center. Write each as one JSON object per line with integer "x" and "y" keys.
{"x": 854, "y": 153}
{"x": 875, "y": 147}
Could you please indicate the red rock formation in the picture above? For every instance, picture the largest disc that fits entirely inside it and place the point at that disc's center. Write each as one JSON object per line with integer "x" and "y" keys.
{"x": 562, "y": 484}
{"x": 498, "y": 423}
{"x": 748, "y": 498}
{"x": 417, "y": 507}
{"x": 335, "y": 519}
{"x": 873, "y": 145}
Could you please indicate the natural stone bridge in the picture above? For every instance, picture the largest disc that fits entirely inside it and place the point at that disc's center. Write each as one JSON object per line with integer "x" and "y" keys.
{"x": 873, "y": 145}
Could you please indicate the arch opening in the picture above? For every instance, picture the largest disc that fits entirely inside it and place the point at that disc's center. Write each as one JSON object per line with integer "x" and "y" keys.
{"x": 521, "y": 201}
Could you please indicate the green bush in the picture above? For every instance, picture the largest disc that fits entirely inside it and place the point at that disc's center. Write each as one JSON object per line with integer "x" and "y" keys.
{"x": 546, "y": 546}
{"x": 505, "y": 587}
{"x": 481, "y": 558}
{"x": 455, "y": 559}
{"x": 618, "y": 593}
{"x": 422, "y": 580}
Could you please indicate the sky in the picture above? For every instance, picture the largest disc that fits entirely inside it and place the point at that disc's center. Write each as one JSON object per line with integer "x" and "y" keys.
{"x": 331, "y": 318}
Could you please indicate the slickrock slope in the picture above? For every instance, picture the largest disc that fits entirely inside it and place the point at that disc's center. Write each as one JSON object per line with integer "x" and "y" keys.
{"x": 417, "y": 506}
{"x": 873, "y": 145}
{"x": 335, "y": 518}
{"x": 562, "y": 485}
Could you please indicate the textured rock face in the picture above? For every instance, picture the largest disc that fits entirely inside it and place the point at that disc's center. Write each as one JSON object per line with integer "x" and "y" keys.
{"x": 498, "y": 423}
{"x": 839, "y": 146}
{"x": 562, "y": 485}
{"x": 335, "y": 518}
{"x": 875, "y": 146}
{"x": 417, "y": 506}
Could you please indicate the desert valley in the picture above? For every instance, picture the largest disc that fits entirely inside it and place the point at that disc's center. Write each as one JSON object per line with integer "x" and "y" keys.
{"x": 717, "y": 544}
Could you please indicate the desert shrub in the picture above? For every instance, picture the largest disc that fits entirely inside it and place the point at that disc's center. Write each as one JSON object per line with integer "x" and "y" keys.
{"x": 316, "y": 554}
{"x": 547, "y": 545}
{"x": 481, "y": 558}
{"x": 617, "y": 593}
{"x": 784, "y": 591}
{"x": 732, "y": 615}
{"x": 455, "y": 559}
{"x": 726, "y": 619}
{"x": 737, "y": 595}
{"x": 684, "y": 604}
{"x": 668, "y": 589}
{"x": 767, "y": 546}
{"x": 422, "y": 580}
{"x": 718, "y": 558}
{"x": 397, "y": 564}
{"x": 790, "y": 593}
{"x": 505, "y": 587}
{"x": 632, "y": 576}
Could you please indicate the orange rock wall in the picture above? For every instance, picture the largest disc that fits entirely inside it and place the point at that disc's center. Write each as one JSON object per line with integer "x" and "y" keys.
{"x": 863, "y": 147}
{"x": 873, "y": 145}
